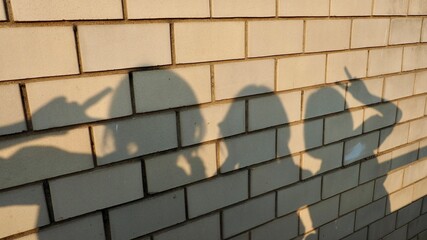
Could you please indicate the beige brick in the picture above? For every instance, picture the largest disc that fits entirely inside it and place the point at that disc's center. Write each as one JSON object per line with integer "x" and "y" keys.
{"x": 243, "y": 8}
{"x": 78, "y": 194}
{"x": 415, "y": 172}
{"x": 29, "y": 10}
{"x": 282, "y": 228}
{"x": 423, "y": 150}
{"x": 390, "y": 7}
{"x": 405, "y": 30}
{"x": 3, "y": 15}
{"x": 299, "y": 137}
{"x": 326, "y": 35}
{"x": 420, "y": 189}
{"x": 382, "y": 227}
{"x": 274, "y": 175}
{"x": 355, "y": 61}
{"x": 209, "y": 41}
{"x": 138, "y": 9}
{"x": 364, "y": 92}
{"x": 298, "y": 196}
{"x": 417, "y": 129}
{"x": 343, "y": 125}
{"x": 318, "y": 214}
{"x": 107, "y": 47}
{"x": 303, "y": 8}
{"x": 393, "y": 136}
{"x": 384, "y": 61}
{"x": 217, "y": 193}
{"x": 404, "y": 155}
{"x": 12, "y": 119}
{"x": 420, "y": 82}
{"x": 87, "y": 227}
{"x": 129, "y": 138}
{"x": 340, "y": 181}
{"x": 414, "y": 57}
{"x": 379, "y": 116}
{"x": 398, "y": 86}
{"x": 292, "y": 72}
{"x": 212, "y": 122}
{"x": 357, "y": 197}
{"x": 243, "y": 151}
{"x": 78, "y": 100}
{"x": 424, "y": 31}
{"x": 322, "y": 101}
{"x": 206, "y": 228}
{"x": 397, "y": 234}
{"x": 351, "y": 7}
{"x": 274, "y": 110}
{"x": 339, "y": 228}
{"x": 322, "y": 159}
{"x": 247, "y": 215}
{"x": 362, "y": 234}
{"x": 408, "y": 213}
{"x": 22, "y": 209}
{"x": 163, "y": 89}
{"x": 266, "y": 38}
{"x": 375, "y": 167}
{"x": 370, "y": 32}
{"x": 179, "y": 168}
{"x": 388, "y": 184}
{"x": 28, "y": 52}
{"x": 361, "y": 147}
{"x": 40, "y": 156}
{"x": 370, "y": 213}
{"x": 243, "y": 78}
{"x": 399, "y": 199}
{"x": 146, "y": 216}
{"x": 411, "y": 108}
{"x": 417, "y": 7}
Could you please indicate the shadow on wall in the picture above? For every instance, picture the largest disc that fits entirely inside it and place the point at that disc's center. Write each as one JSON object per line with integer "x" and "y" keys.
{"x": 18, "y": 159}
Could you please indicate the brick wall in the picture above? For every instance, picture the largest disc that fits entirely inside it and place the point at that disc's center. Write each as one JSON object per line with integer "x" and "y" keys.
{"x": 213, "y": 119}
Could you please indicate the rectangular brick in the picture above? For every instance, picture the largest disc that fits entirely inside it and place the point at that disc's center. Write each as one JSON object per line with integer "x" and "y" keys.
{"x": 343, "y": 125}
{"x": 322, "y": 101}
{"x": 420, "y": 82}
{"x": 361, "y": 147}
{"x": 78, "y": 100}
{"x": 240, "y": 79}
{"x": 355, "y": 61}
{"x": 119, "y": 140}
{"x": 417, "y": 7}
{"x": 274, "y": 110}
{"x": 266, "y": 38}
{"x": 28, "y": 52}
{"x": 414, "y": 57}
{"x": 247, "y": 215}
{"x": 405, "y": 30}
{"x": 370, "y": 213}
{"x": 292, "y": 198}
{"x": 423, "y": 149}
{"x": 399, "y": 199}
{"x": 384, "y": 61}
{"x": 420, "y": 189}
{"x": 179, "y": 168}
{"x": 25, "y": 159}
{"x": 411, "y": 108}
{"x": 132, "y": 45}
{"x": 30, "y": 10}
{"x": 12, "y": 119}
{"x": 388, "y": 184}
{"x": 22, "y": 209}
{"x": 209, "y": 41}
{"x": 282, "y": 228}
{"x": 415, "y": 172}
{"x": 212, "y": 122}
{"x": 322, "y": 159}
{"x": 274, "y": 175}
{"x": 217, "y": 193}
{"x": 417, "y": 129}
{"x": 305, "y": 136}
{"x": 243, "y": 8}
{"x": 243, "y": 236}
{"x": 398, "y": 86}
{"x": 3, "y": 15}
{"x": 303, "y": 8}
{"x": 390, "y": 7}
{"x": 327, "y": 35}
{"x": 370, "y": 32}
{"x": 408, "y": 213}
{"x": 292, "y": 72}
{"x": 397, "y": 234}
{"x": 206, "y": 228}
{"x": 393, "y": 136}
{"x": 375, "y": 167}
{"x": 243, "y": 151}
{"x": 340, "y": 181}
{"x": 177, "y": 87}
{"x": 146, "y": 216}
{"x": 417, "y": 226}
{"x": 361, "y": 234}
{"x": 318, "y": 214}
{"x": 351, "y": 7}
{"x": 424, "y": 31}
{"x": 138, "y": 9}
{"x": 404, "y": 155}
{"x": 356, "y": 198}
{"x": 364, "y": 92}
{"x": 337, "y": 229}
{"x": 382, "y": 227}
